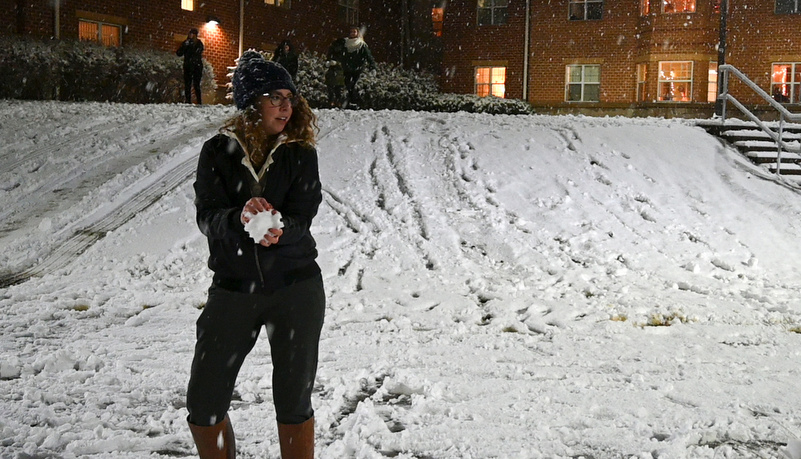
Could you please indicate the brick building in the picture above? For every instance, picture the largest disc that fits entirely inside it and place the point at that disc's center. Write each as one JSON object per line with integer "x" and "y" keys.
{"x": 656, "y": 57}
{"x": 240, "y": 25}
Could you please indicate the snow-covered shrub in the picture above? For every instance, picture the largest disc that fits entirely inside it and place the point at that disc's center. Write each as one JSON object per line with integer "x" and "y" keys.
{"x": 28, "y": 69}
{"x": 311, "y": 79}
{"x": 392, "y": 87}
{"x": 476, "y": 104}
{"x": 81, "y": 71}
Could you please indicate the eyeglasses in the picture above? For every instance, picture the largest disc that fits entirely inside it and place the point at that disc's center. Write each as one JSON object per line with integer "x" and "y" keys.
{"x": 277, "y": 100}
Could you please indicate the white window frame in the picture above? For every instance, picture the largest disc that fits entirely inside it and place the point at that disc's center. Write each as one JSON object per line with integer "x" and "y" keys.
{"x": 279, "y": 3}
{"x": 498, "y": 11}
{"x": 100, "y": 26}
{"x": 582, "y": 82}
{"x": 794, "y": 82}
{"x": 795, "y": 8}
{"x": 669, "y": 84}
{"x": 437, "y": 20}
{"x": 712, "y": 82}
{"x": 349, "y": 11}
{"x": 669, "y": 6}
{"x": 642, "y": 81}
{"x": 493, "y": 88}
{"x": 585, "y": 8}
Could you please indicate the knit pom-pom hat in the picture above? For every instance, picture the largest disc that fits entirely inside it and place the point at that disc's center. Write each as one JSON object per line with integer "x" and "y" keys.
{"x": 254, "y": 75}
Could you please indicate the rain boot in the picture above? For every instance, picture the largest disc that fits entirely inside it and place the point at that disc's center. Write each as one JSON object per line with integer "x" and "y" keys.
{"x": 215, "y": 442}
{"x": 297, "y": 440}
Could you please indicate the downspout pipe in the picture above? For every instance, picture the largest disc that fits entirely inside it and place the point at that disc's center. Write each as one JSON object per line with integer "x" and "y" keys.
{"x": 724, "y": 13}
{"x": 241, "y": 25}
{"x": 57, "y": 20}
{"x": 526, "y": 49}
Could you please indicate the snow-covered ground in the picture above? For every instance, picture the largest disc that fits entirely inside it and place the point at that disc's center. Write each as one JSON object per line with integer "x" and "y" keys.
{"x": 499, "y": 287}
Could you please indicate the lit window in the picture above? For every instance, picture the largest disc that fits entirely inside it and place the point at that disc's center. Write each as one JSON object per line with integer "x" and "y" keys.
{"x": 188, "y": 5}
{"x": 491, "y": 81}
{"x": 438, "y": 17}
{"x": 492, "y": 12}
{"x": 712, "y": 83}
{"x": 675, "y": 81}
{"x": 583, "y": 83}
{"x": 645, "y": 7}
{"x": 281, "y": 3}
{"x": 349, "y": 11}
{"x": 784, "y": 82}
{"x": 642, "y": 79}
{"x": 582, "y": 10}
{"x": 788, "y": 6}
{"x": 678, "y": 6}
{"x": 105, "y": 34}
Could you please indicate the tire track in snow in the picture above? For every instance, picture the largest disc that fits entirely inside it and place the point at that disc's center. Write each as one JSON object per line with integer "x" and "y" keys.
{"x": 365, "y": 232}
{"x": 413, "y": 220}
{"x": 95, "y": 133}
{"x": 364, "y": 229}
{"x": 83, "y": 237}
{"x": 84, "y": 178}
{"x": 483, "y": 213}
{"x": 403, "y": 187}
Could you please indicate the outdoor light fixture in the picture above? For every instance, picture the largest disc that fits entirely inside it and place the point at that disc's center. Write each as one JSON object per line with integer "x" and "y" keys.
{"x": 213, "y": 21}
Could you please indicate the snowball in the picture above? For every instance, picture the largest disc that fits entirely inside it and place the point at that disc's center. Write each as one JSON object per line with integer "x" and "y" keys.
{"x": 261, "y": 223}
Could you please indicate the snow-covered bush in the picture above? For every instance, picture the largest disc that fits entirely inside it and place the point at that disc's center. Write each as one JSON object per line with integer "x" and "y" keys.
{"x": 81, "y": 71}
{"x": 392, "y": 87}
{"x": 475, "y": 104}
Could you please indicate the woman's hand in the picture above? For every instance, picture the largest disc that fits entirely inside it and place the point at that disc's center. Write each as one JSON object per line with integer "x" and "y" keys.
{"x": 252, "y": 207}
{"x": 272, "y": 236}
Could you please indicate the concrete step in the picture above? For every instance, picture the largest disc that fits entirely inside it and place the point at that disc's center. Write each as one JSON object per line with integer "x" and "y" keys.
{"x": 793, "y": 169}
{"x": 758, "y": 146}
{"x": 763, "y": 157}
{"x": 766, "y": 145}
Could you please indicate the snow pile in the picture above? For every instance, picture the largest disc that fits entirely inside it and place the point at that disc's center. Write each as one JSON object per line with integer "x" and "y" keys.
{"x": 498, "y": 287}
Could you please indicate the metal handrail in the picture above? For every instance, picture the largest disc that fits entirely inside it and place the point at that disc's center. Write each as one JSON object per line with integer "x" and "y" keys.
{"x": 784, "y": 114}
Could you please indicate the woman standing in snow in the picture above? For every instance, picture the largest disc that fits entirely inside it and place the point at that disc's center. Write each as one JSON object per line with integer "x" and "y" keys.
{"x": 285, "y": 55}
{"x": 262, "y": 165}
{"x": 356, "y": 57}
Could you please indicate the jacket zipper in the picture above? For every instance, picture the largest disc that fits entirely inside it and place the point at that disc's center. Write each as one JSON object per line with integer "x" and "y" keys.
{"x": 258, "y": 265}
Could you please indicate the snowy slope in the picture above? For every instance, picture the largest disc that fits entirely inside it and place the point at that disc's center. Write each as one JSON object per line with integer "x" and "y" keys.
{"x": 499, "y": 287}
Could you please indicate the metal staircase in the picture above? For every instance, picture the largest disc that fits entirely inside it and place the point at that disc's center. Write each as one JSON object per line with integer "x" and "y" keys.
{"x": 774, "y": 145}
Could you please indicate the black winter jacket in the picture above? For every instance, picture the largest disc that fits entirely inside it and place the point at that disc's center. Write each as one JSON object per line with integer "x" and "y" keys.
{"x": 288, "y": 59}
{"x": 192, "y": 52}
{"x": 223, "y": 186}
{"x": 354, "y": 62}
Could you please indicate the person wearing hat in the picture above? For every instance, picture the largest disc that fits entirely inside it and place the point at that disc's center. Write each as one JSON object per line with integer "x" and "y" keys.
{"x": 192, "y": 51}
{"x": 261, "y": 167}
{"x": 286, "y": 55}
{"x": 355, "y": 59}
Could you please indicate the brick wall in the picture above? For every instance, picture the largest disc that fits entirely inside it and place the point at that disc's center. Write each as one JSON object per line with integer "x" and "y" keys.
{"x": 758, "y": 38}
{"x": 162, "y": 25}
{"x": 617, "y": 42}
{"x": 31, "y": 17}
{"x": 466, "y": 44}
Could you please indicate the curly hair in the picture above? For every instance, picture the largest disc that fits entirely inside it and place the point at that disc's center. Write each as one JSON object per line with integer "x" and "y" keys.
{"x": 246, "y": 125}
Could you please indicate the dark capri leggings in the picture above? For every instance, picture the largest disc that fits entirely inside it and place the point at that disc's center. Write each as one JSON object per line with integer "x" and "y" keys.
{"x": 226, "y": 332}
